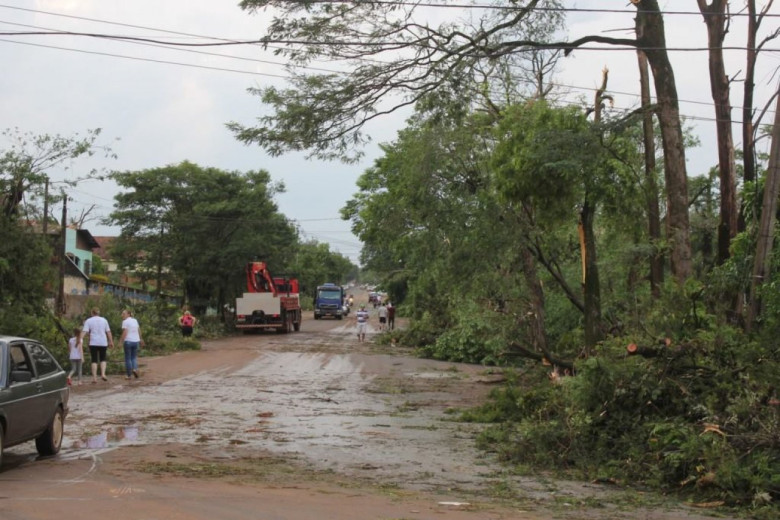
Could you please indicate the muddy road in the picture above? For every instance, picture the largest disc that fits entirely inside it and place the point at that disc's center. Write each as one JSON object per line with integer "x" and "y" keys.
{"x": 307, "y": 425}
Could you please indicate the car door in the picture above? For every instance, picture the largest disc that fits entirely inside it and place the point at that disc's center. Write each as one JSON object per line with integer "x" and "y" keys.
{"x": 49, "y": 380}
{"x": 19, "y": 397}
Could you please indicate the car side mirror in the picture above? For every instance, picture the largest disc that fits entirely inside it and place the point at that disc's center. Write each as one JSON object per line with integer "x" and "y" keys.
{"x": 21, "y": 376}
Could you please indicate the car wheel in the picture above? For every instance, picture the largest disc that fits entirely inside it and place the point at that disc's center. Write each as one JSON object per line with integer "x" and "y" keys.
{"x": 1, "y": 445}
{"x": 49, "y": 442}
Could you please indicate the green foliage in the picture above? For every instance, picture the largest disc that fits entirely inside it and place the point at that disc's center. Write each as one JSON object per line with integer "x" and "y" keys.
{"x": 699, "y": 418}
{"x": 25, "y": 168}
{"x": 196, "y": 228}
{"x": 474, "y": 337}
{"x": 314, "y": 264}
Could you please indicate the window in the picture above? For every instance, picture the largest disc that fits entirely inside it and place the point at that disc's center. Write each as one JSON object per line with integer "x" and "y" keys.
{"x": 44, "y": 363}
{"x": 19, "y": 358}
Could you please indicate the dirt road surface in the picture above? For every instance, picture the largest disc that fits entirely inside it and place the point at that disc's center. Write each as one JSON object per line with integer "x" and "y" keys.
{"x": 307, "y": 425}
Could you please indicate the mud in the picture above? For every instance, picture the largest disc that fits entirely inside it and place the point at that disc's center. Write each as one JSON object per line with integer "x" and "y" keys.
{"x": 375, "y": 416}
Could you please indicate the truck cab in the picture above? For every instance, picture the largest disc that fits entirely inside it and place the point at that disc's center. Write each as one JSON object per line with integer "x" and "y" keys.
{"x": 329, "y": 301}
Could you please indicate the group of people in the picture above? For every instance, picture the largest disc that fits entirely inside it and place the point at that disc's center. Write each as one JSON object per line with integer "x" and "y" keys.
{"x": 98, "y": 331}
{"x": 386, "y": 313}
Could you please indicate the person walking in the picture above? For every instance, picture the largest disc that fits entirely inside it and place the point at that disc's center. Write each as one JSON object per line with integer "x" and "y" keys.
{"x": 382, "y": 316}
{"x": 131, "y": 341}
{"x": 361, "y": 317}
{"x": 390, "y": 316}
{"x": 187, "y": 322}
{"x": 76, "y": 356}
{"x": 100, "y": 340}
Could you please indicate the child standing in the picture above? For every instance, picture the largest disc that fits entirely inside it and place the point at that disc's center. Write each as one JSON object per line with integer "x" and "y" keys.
{"x": 76, "y": 355}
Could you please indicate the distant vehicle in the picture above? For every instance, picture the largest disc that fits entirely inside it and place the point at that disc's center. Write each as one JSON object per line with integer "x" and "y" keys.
{"x": 269, "y": 303}
{"x": 329, "y": 300}
{"x": 372, "y": 297}
{"x": 34, "y": 396}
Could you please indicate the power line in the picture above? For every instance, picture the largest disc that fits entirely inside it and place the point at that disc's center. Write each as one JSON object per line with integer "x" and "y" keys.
{"x": 361, "y": 43}
{"x": 227, "y": 40}
{"x": 151, "y": 60}
{"x": 193, "y": 51}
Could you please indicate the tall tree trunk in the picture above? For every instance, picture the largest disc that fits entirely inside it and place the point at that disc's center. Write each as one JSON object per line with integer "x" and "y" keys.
{"x": 651, "y": 186}
{"x": 536, "y": 301}
{"x": 652, "y": 40}
{"x": 590, "y": 278}
{"x": 748, "y": 146}
{"x": 748, "y": 124}
{"x": 766, "y": 228}
{"x": 716, "y": 21}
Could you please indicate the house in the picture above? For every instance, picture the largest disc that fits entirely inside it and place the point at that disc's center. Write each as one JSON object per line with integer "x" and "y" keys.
{"x": 103, "y": 251}
{"x": 79, "y": 244}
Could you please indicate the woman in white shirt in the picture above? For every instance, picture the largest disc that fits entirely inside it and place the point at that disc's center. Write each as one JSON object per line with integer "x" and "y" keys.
{"x": 131, "y": 341}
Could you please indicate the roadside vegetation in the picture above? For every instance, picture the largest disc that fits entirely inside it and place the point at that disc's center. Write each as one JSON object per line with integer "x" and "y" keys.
{"x": 633, "y": 303}
{"x": 186, "y": 235}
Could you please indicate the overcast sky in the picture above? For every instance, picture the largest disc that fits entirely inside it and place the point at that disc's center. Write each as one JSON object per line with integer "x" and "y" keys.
{"x": 158, "y": 106}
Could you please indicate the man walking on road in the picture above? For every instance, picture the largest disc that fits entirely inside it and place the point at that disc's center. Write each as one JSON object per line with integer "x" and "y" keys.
{"x": 390, "y": 316}
{"x": 100, "y": 339}
{"x": 361, "y": 317}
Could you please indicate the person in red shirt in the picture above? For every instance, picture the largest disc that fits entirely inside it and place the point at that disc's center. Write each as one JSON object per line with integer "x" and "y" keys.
{"x": 187, "y": 321}
{"x": 390, "y": 316}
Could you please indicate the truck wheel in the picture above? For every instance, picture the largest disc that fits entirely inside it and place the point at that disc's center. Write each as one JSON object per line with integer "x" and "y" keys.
{"x": 297, "y": 322}
{"x": 286, "y": 322}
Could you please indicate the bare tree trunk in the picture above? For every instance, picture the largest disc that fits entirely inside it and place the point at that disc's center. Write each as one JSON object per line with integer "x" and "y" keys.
{"x": 590, "y": 278}
{"x": 748, "y": 124}
{"x": 651, "y": 38}
{"x": 748, "y": 146}
{"x": 536, "y": 292}
{"x": 717, "y": 27}
{"x": 767, "y": 224}
{"x": 651, "y": 186}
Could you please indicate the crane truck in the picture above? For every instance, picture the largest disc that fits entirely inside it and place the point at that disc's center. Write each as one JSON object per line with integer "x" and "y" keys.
{"x": 269, "y": 303}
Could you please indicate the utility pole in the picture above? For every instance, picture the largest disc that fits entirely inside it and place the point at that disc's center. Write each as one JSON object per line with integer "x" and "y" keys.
{"x": 46, "y": 208}
{"x": 60, "y": 303}
{"x": 159, "y": 263}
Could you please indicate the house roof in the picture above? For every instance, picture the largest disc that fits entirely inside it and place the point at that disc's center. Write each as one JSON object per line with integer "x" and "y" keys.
{"x": 103, "y": 250}
{"x": 88, "y": 238}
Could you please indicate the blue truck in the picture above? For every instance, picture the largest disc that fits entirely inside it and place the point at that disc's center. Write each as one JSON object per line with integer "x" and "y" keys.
{"x": 329, "y": 301}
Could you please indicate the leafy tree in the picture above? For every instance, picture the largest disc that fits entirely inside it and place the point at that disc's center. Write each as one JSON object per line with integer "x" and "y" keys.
{"x": 314, "y": 264}
{"x": 195, "y": 228}
{"x": 27, "y": 267}
{"x": 24, "y": 168}
{"x": 395, "y": 57}
{"x": 27, "y": 277}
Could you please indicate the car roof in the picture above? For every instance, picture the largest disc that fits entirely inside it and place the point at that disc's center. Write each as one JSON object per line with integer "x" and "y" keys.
{"x": 7, "y": 339}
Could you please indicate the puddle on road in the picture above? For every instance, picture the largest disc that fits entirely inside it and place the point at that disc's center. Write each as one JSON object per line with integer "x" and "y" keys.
{"x": 311, "y": 405}
{"x": 110, "y": 438}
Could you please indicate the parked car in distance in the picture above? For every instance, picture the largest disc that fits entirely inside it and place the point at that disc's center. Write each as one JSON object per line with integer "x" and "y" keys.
{"x": 34, "y": 396}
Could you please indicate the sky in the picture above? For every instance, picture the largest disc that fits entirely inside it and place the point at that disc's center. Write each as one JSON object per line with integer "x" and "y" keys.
{"x": 158, "y": 106}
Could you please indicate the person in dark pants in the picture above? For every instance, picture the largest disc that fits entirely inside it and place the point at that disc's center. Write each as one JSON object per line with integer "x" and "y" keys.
{"x": 390, "y": 316}
{"x": 187, "y": 321}
{"x": 100, "y": 340}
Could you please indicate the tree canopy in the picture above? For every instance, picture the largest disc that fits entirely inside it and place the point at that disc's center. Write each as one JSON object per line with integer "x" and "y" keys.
{"x": 199, "y": 226}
